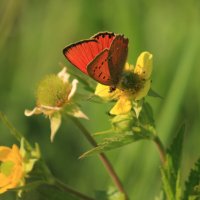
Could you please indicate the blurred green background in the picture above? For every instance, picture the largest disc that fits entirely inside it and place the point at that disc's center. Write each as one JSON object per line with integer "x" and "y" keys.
{"x": 32, "y": 36}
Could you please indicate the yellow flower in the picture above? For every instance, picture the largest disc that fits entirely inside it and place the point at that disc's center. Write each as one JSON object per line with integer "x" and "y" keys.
{"x": 15, "y": 164}
{"x": 11, "y": 168}
{"x": 54, "y": 94}
{"x": 133, "y": 86}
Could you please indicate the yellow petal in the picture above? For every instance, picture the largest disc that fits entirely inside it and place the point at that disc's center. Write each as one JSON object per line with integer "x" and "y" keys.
{"x": 122, "y": 106}
{"x": 143, "y": 91}
{"x": 128, "y": 67}
{"x": 103, "y": 91}
{"x": 144, "y": 65}
{"x": 4, "y": 153}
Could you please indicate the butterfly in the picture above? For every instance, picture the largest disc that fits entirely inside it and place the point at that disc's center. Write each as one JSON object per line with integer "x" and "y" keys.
{"x": 102, "y": 57}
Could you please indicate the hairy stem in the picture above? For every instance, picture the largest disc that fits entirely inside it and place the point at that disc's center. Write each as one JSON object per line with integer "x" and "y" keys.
{"x": 161, "y": 149}
{"x": 102, "y": 157}
{"x": 66, "y": 188}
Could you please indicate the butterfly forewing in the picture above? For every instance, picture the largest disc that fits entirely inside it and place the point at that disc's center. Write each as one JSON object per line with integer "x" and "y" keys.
{"x": 81, "y": 53}
{"x": 104, "y": 39}
{"x": 117, "y": 57}
{"x": 98, "y": 69}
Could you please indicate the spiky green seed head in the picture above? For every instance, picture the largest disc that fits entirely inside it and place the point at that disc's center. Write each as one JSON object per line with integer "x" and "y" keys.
{"x": 52, "y": 91}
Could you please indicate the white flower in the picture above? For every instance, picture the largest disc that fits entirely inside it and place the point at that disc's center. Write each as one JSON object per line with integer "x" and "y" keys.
{"x": 54, "y": 95}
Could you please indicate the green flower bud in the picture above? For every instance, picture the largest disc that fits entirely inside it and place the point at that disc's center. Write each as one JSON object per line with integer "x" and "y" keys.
{"x": 123, "y": 122}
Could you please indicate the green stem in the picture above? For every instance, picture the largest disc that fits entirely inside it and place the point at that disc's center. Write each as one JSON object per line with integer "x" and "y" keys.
{"x": 161, "y": 149}
{"x": 102, "y": 157}
{"x": 66, "y": 188}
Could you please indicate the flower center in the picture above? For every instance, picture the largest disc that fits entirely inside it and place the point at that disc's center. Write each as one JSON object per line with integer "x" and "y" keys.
{"x": 131, "y": 82}
{"x": 52, "y": 91}
{"x": 6, "y": 167}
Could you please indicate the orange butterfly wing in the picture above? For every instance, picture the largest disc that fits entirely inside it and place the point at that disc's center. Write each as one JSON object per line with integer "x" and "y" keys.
{"x": 98, "y": 69}
{"x": 80, "y": 54}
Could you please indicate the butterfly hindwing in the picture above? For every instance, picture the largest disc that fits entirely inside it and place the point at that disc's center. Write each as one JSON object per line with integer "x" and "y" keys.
{"x": 98, "y": 69}
{"x": 117, "y": 57}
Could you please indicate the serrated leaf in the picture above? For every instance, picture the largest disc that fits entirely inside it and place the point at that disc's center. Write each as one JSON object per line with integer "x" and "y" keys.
{"x": 171, "y": 169}
{"x": 109, "y": 144}
{"x": 114, "y": 142}
{"x": 192, "y": 185}
{"x": 166, "y": 184}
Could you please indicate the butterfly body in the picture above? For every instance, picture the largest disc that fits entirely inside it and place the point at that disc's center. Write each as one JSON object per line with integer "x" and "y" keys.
{"x": 102, "y": 57}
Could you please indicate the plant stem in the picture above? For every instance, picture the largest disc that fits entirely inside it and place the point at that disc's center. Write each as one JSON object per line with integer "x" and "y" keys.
{"x": 66, "y": 188}
{"x": 102, "y": 157}
{"x": 161, "y": 149}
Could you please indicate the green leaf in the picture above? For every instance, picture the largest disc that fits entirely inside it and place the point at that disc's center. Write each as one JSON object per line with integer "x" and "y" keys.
{"x": 171, "y": 170}
{"x": 175, "y": 149}
{"x": 111, "y": 143}
{"x": 192, "y": 185}
{"x": 166, "y": 184}
{"x": 153, "y": 93}
{"x": 117, "y": 140}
